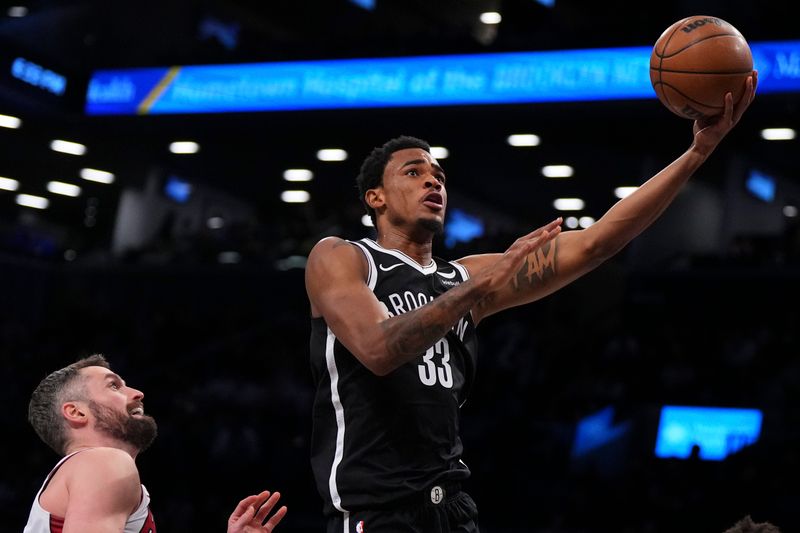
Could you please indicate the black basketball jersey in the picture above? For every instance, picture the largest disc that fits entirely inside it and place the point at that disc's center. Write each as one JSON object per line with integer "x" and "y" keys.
{"x": 377, "y": 440}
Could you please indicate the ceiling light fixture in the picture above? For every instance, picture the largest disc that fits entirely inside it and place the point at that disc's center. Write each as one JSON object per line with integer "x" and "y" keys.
{"x": 98, "y": 176}
{"x": 67, "y": 147}
{"x": 64, "y": 189}
{"x": 17, "y": 11}
{"x": 568, "y": 204}
{"x": 7, "y": 184}
{"x": 778, "y": 134}
{"x": 622, "y": 192}
{"x": 523, "y": 139}
{"x": 332, "y": 154}
{"x": 491, "y": 17}
{"x": 184, "y": 147}
{"x": 439, "y": 152}
{"x": 298, "y": 174}
{"x": 295, "y": 197}
{"x": 557, "y": 171}
{"x": 29, "y": 200}
{"x": 7, "y": 121}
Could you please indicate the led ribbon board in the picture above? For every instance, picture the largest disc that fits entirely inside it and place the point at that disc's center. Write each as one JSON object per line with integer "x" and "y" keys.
{"x": 38, "y": 76}
{"x": 715, "y": 432}
{"x": 504, "y": 78}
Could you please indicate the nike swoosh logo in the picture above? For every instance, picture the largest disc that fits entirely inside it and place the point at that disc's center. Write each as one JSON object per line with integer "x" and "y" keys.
{"x": 390, "y": 267}
{"x": 448, "y": 275}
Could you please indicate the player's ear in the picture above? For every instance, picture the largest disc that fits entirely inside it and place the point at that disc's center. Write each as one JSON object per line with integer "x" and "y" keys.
{"x": 75, "y": 413}
{"x": 375, "y": 198}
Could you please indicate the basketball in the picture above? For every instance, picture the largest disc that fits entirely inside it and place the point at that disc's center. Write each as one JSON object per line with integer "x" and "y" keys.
{"x": 695, "y": 62}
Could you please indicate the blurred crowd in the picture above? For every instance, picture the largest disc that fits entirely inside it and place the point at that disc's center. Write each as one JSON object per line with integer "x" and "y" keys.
{"x": 221, "y": 353}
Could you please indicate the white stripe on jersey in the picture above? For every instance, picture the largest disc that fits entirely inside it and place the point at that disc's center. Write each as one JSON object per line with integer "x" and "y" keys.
{"x": 461, "y": 268}
{"x": 372, "y": 276}
{"x": 339, "y": 410}
{"x": 465, "y": 273}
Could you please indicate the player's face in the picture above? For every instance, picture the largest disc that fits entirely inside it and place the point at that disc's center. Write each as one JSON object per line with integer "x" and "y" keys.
{"x": 118, "y": 409}
{"x": 414, "y": 189}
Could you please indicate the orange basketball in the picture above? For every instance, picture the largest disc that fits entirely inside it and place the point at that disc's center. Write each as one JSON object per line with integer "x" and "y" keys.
{"x": 695, "y": 62}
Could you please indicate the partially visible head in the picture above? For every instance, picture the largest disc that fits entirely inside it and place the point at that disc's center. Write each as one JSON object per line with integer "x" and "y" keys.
{"x": 746, "y": 525}
{"x": 373, "y": 167}
{"x": 87, "y": 396}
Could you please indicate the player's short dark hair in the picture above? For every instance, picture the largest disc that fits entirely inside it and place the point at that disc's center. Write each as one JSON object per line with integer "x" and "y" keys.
{"x": 746, "y": 525}
{"x": 371, "y": 173}
{"x": 44, "y": 409}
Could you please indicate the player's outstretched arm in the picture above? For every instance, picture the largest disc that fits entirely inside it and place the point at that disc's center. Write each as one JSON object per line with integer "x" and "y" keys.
{"x": 574, "y": 253}
{"x": 336, "y": 286}
{"x": 249, "y": 515}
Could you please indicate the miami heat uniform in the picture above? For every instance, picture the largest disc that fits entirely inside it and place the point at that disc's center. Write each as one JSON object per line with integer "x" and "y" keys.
{"x": 40, "y": 521}
{"x": 387, "y": 448}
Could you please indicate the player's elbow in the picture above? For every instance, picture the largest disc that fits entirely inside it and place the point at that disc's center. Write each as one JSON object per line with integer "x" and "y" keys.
{"x": 381, "y": 370}
{"x": 371, "y": 349}
{"x": 371, "y": 354}
{"x": 378, "y": 362}
{"x": 596, "y": 249}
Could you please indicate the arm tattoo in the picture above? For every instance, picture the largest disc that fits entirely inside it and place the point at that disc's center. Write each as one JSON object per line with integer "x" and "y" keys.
{"x": 410, "y": 334}
{"x": 418, "y": 337}
{"x": 539, "y": 266}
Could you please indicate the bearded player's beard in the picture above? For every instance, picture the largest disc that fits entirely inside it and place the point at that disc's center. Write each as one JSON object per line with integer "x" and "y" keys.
{"x": 137, "y": 431}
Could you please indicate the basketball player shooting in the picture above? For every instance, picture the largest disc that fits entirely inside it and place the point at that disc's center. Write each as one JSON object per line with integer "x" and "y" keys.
{"x": 393, "y": 330}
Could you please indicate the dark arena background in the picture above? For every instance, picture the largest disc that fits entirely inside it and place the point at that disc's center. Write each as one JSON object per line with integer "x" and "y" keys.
{"x": 659, "y": 393}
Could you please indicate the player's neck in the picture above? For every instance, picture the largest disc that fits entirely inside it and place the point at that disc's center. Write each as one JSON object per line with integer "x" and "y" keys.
{"x": 101, "y": 441}
{"x": 417, "y": 247}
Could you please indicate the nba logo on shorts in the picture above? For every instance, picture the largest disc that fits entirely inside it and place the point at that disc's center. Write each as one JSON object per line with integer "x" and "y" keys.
{"x": 360, "y": 527}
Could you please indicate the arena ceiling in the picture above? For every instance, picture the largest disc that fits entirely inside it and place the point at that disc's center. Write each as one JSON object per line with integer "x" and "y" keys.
{"x": 609, "y": 144}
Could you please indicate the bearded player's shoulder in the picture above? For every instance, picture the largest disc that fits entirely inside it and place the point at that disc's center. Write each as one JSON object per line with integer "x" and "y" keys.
{"x": 104, "y": 461}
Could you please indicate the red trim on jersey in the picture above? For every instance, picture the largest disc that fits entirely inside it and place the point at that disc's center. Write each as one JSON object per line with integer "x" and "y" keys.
{"x": 56, "y": 524}
{"x": 149, "y": 525}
